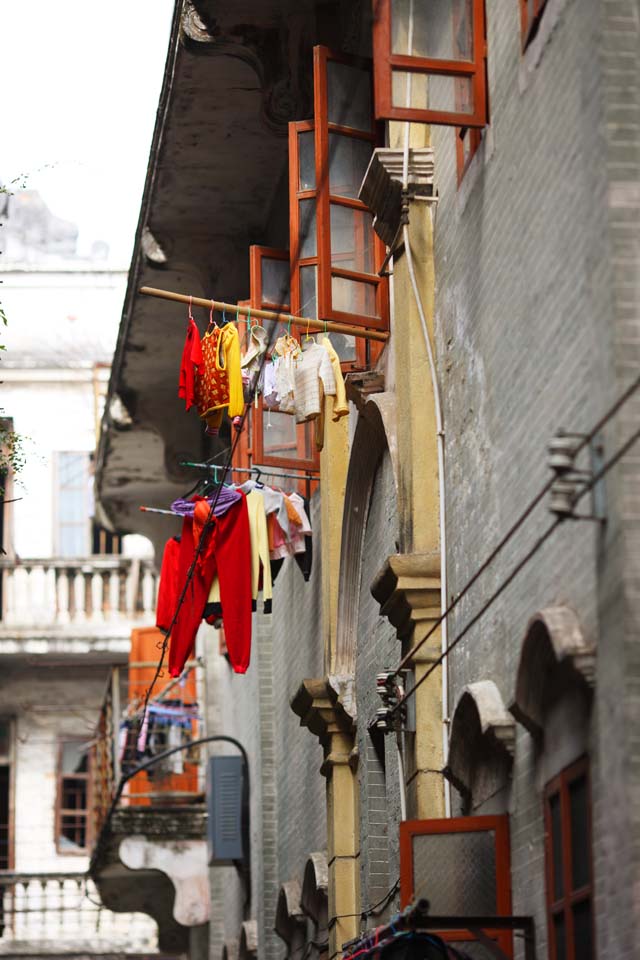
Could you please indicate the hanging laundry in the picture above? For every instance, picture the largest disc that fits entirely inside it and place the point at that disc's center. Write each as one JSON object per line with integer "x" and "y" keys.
{"x": 313, "y": 366}
{"x": 169, "y": 588}
{"x": 227, "y": 552}
{"x": 251, "y": 362}
{"x": 191, "y": 365}
{"x": 286, "y": 355}
{"x": 224, "y": 498}
{"x": 220, "y": 385}
{"x": 340, "y": 403}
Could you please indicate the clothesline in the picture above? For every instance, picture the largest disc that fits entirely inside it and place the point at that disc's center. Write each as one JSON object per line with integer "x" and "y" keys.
{"x": 258, "y": 471}
{"x": 331, "y": 326}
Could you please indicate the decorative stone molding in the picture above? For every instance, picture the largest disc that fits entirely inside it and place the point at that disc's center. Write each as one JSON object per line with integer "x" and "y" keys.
{"x": 315, "y": 887}
{"x": 318, "y": 705}
{"x": 230, "y": 950}
{"x": 151, "y": 249}
{"x": 554, "y": 652}
{"x": 381, "y": 188}
{"x": 375, "y": 433}
{"x": 362, "y": 385}
{"x": 289, "y": 914}
{"x": 408, "y": 591}
{"x": 248, "y": 949}
{"x": 481, "y": 726}
{"x": 184, "y": 862}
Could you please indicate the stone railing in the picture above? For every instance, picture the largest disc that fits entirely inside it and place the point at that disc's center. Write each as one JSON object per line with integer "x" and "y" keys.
{"x": 60, "y": 913}
{"x": 60, "y": 591}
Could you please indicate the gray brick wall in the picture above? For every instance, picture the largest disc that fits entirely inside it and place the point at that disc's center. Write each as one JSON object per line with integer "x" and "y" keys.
{"x": 537, "y": 328}
{"x": 377, "y": 648}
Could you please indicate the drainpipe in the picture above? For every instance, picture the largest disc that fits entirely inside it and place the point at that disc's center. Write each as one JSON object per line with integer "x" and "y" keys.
{"x": 439, "y": 424}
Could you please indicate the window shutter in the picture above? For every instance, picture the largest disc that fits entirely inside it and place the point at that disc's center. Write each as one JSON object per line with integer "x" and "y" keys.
{"x": 430, "y": 62}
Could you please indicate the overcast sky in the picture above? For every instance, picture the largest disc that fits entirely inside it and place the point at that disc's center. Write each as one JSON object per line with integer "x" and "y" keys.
{"x": 81, "y": 82}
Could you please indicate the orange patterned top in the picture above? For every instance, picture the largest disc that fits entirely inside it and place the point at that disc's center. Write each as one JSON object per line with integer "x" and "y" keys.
{"x": 221, "y": 383}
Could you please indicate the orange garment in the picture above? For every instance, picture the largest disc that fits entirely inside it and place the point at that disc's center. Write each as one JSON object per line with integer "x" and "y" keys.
{"x": 292, "y": 513}
{"x": 221, "y": 383}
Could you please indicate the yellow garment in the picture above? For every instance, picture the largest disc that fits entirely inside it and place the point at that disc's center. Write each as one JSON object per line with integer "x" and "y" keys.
{"x": 340, "y": 405}
{"x": 259, "y": 550}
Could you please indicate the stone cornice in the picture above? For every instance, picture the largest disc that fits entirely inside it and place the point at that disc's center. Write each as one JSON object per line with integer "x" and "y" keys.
{"x": 320, "y": 708}
{"x": 408, "y": 591}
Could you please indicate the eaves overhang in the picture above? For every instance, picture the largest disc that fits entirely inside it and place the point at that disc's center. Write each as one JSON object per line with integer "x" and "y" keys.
{"x": 235, "y": 75}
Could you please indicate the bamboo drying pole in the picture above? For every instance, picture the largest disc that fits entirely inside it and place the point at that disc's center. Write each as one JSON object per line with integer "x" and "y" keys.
{"x": 309, "y": 323}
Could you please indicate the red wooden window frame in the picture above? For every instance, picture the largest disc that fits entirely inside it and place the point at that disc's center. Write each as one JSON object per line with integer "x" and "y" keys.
{"x": 386, "y": 62}
{"x": 564, "y": 904}
{"x": 499, "y": 824}
{"x": 61, "y": 811}
{"x": 530, "y": 14}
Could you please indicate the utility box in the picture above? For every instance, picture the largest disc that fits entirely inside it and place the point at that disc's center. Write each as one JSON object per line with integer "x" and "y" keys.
{"x": 225, "y": 785}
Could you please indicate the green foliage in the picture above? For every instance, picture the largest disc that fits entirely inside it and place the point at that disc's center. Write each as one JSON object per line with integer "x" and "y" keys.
{"x": 12, "y": 453}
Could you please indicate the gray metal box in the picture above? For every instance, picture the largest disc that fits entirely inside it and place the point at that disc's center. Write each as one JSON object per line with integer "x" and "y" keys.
{"x": 224, "y": 808}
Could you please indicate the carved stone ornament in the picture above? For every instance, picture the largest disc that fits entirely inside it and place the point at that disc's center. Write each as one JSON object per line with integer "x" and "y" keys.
{"x": 315, "y": 887}
{"x": 553, "y": 645}
{"x": 381, "y": 188}
{"x": 481, "y": 725}
{"x": 248, "y": 949}
{"x": 289, "y": 913}
{"x": 408, "y": 591}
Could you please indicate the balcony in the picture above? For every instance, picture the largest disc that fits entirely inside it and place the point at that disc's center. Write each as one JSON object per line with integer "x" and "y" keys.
{"x": 49, "y": 914}
{"x": 74, "y": 606}
{"x": 150, "y": 853}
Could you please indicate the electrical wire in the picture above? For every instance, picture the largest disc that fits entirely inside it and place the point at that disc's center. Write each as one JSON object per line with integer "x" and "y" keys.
{"x": 587, "y": 485}
{"x": 372, "y": 911}
{"x": 583, "y": 441}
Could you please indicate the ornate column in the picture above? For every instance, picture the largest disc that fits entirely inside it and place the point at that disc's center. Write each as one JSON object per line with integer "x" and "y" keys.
{"x": 322, "y": 708}
{"x": 408, "y": 591}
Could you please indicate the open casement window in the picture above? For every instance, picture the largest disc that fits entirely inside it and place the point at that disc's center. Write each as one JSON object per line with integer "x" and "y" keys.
{"x": 270, "y": 438}
{"x": 461, "y": 865}
{"x": 567, "y": 815}
{"x": 335, "y": 252}
{"x": 530, "y": 13}
{"x": 73, "y": 800}
{"x": 429, "y": 61}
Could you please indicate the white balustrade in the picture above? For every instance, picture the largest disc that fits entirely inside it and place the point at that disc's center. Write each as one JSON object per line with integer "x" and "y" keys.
{"x": 57, "y": 592}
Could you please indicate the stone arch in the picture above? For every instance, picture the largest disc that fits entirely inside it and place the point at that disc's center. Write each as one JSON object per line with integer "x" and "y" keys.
{"x": 554, "y": 656}
{"x": 482, "y": 743}
{"x": 230, "y": 950}
{"x": 314, "y": 898}
{"x": 375, "y": 433}
{"x": 290, "y": 923}
{"x": 248, "y": 948}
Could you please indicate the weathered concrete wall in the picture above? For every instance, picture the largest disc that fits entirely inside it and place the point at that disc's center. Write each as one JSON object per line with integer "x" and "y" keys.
{"x": 537, "y": 328}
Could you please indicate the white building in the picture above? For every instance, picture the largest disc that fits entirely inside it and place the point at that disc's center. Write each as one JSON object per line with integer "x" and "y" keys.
{"x": 70, "y": 594}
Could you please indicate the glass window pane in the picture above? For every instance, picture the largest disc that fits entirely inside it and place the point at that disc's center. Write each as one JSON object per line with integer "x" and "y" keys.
{"x": 580, "y": 841}
{"x": 73, "y": 833}
{"x": 349, "y": 96}
{"x": 556, "y": 845}
{"x": 73, "y": 540}
{"x": 309, "y": 292}
{"x": 348, "y": 162}
{"x": 435, "y": 92}
{"x": 306, "y": 161}
{"x": 560, "y": 937}
{"x": 5, "y": 737}
{"x": 344, "y": 346}
{"x": 307, "y": 245}
{"x": 351, "y": 239}
{"x": 437, "y": 30}
{"x": 74, "y": 794}
{"x": 275, "y": 282}
{"x": 583, "y": 931}
{"x": 352, "y": 296}
{"x": 74, "y": 758}
{"x": 282, "y": 437}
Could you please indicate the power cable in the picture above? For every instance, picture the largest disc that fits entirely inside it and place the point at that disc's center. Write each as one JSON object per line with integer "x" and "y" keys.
{"x": 583, "y": 441}
{"x": 588, "y": 485}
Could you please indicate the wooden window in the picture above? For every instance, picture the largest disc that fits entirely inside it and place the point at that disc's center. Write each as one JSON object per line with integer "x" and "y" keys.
{"x": 462, "y": 866}
{"x": 429, "y": 61}
{"x": 6, "y": 793}
{"x": 567, "y": 815}
{"x": 335, "y": 252}
{"x": 530, "y": 13}
{"x": 73, "y": 800}
{"x": 270, "y": 438}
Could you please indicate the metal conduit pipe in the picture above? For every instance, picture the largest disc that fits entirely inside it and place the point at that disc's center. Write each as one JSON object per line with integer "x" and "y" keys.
{"x": 439, "y": 426}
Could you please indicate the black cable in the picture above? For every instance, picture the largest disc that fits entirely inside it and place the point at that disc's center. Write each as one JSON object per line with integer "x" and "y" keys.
{"x": 584, "y": 440}
{"x": 370, "y": 911}
{"x": 587, "y": 485}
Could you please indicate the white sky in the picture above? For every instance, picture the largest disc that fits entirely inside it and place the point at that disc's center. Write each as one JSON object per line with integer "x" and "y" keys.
{"x": 81, "y": 84}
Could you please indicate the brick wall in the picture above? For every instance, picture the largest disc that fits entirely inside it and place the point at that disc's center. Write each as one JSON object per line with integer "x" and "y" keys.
{"x": 537, "y": 328}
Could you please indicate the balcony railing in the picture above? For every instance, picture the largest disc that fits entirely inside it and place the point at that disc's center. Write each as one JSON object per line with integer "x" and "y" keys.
{"x": 61, "y": 912}
{"x": 93, "y": 591}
